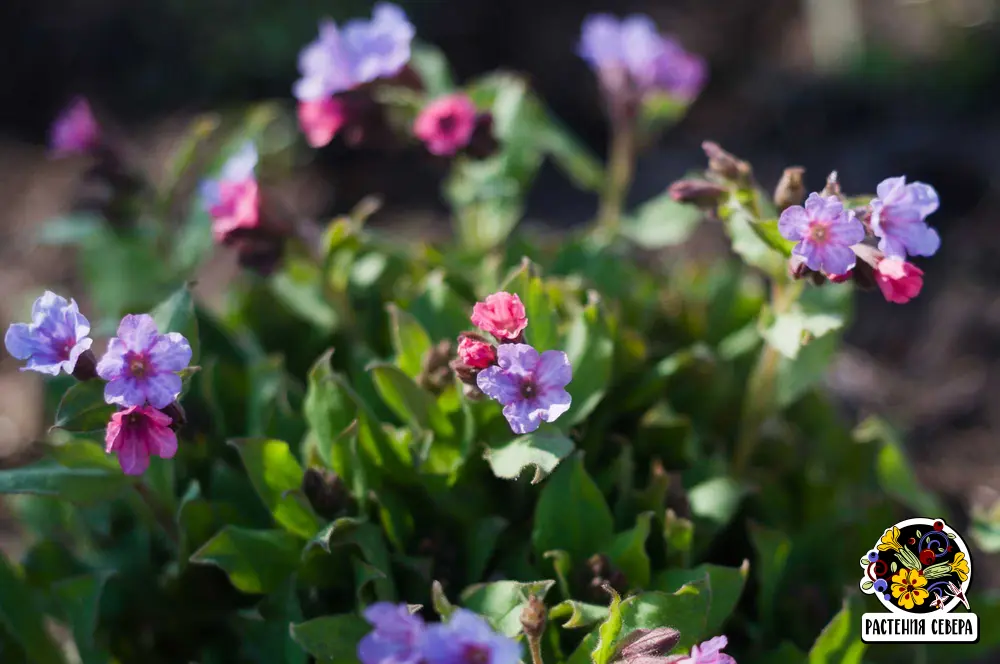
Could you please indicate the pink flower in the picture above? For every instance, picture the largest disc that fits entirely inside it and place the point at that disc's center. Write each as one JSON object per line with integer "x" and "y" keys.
{"x": 233, "y": 200}
{"x": 137, "y": 432}
{"x": 446, "y": 124}
{"x": 709, "y": 652}
{"x": 321, "y": 119}
{"x": 502, "y": 315}
{"x": 75, "y": 131}
{"x": 900, "y": 281}
{"x": 476, "y": 353}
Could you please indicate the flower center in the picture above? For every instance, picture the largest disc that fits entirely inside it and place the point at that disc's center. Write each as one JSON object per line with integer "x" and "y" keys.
{"x": 446, "y": 123}
{"x": 476, "y": 654}
{"x": 137, "y": 365}
{"x": 528, "y": 389}
{"x": 67, "y": 348}
{"x": 819, "y": 232}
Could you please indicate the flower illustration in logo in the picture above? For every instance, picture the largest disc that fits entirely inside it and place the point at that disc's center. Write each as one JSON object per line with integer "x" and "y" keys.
{"x": 960, "y": 566}
{"x": 908, "y": 587}
{"x": 890, "y": 540}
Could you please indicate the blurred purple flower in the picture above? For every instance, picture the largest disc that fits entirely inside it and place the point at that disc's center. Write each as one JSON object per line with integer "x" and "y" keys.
{"x": 55, "y": 338}
{"x": 898, "y": 218}
{"x": 137, "y": 433}
{"x": 709, "y": 652}
{"x": 825, "y": 232}
{"x": 396, "y": 638}
{"x": 631, "y": 49}
{"x": 468, "y": 639}
{"x": 233, "y": 199}
{"x": 74, "y": 131}
{"x": 141, "y": 364}
{"x": 531, "y": 387}
{"x": 363, "y": 51}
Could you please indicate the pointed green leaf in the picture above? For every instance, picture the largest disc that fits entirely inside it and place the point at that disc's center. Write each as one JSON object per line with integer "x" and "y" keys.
{"x": 82, "y": 408}
{"x": 628, "y": 552}
{"x": 543, "y": 450}
{"x": 609, "y": 633}
{"x": 440, "y": 601}
{"x": 590, "y": 348}
{"x": 256, "y": 561}
{"x": 332, "y": 639}
{"x": 409, "y": 401}
{"x": 840, "y": 641}
{"x": 572, "y": 514}
{"x": 176, "y": 314}
{"x": 580, "y": 614}
{"x": 87, "y": 485}
{"x": 725, "y": 584}
{"x": 409, "y": 340}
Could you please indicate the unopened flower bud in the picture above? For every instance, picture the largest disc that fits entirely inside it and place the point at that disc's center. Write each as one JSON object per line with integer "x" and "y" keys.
{"x": 533, "y": 617}
{"x": 325, "y": 491}
{"x": 724, "y": 164}
{"x": 86, "y": 366}
{"x": 472, "y": 392}
{"x": 648, "y": 643}
{"x": 435, "y": 375}
{"x": 702, "y": 193}
{"x": 791, "y": 189}
{"x": 832, "y": 187}
{"x": 175, "y": 412}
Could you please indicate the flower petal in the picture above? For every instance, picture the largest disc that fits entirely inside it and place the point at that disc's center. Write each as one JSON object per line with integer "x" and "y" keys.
{"x": 162, "y": 388}
{"x": 522, "y": 416}
{"x": 161, "y": 441}
{"x": 552, "y": 403}
{"x": 19, "y": 341}
{"x": 793, "y": 222}
{"x": 553, "y": 370}
{"x": 125, "y": 391}
{"x": 518, "y": 359}
{"x": 499, "y": 385}
{"x": 888, "y": 186}
{"x": 138, "y": 332}
{"x": 112, "y": 363}
{"x": 132, "y": 455}
{"x": 170, "y": 352}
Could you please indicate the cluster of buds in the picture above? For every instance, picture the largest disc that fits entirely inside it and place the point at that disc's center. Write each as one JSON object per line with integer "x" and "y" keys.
{"x": 501, "y": 315}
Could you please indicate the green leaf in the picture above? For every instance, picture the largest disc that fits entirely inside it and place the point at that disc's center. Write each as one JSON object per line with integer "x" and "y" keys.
{"x": 572, "y": 514}
{"x": 82, "y": 408}
{"x": 540, "y": 307}
{"x": 368, "y": 539}
{"x": 87, "y": 485}
{"x": 277, "y": 477}
{"x": 661, "y": 222}
{"x": 481, "y": 543}
{"x": 432, "y": 67}
{"x": 543, "y": 450}
{"x": 716, "y": 499}
{"x": 256, "y": 561}
{"x": 23, "y": 619}
{"x": 768, "y": 232}
{"x": 894, "y": 471}
{"x": 501, "y": 602}
{"x": 580, "y": 614}
{"x": 301, "y": 291}
{"x": 628, "y": 552}
{"x": 796, "y": 328}
{"x": 570, "y": 154}
{"x": 609, "y": 633}
{"x": 409, "y": 401}
{"x": 685, "y": 610}
{"x": 678, "y": 533}
{"x": 329, "y": 411}
{"x": 83, "y": 454}
{"x": 176, "y": 314}
{"x": 591, "y": 349}
{"x": 440, "y": 601}
{"x": 196, "y": 521}
{"x": 748, "y": 244}
{"x": 773, "y": 548}
{"x": 725, "y": 584}
{"x": 331, "y": 639}
{"x": 409, "y": 340}
{"x": 79, "y": 597}
{"x": 840, "y": 641}
{"x": 75, "y": 228}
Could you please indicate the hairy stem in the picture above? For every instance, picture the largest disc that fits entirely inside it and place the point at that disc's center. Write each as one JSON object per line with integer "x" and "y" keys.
{"x": 621, "y": 164}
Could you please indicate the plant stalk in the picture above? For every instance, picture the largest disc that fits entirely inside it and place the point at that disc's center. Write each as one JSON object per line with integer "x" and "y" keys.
{"x": 621, "y": 166}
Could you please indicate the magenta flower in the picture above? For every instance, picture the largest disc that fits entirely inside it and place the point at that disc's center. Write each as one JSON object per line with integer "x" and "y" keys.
{"x": 899, "y": 218}
{"x": 709, "y": 652}
{"x": 825, "y": 232}
{"x": 396, "y": 638}
{"x": 631, "y": 50}
{"x": 898, "y": 280}
{"x": 233, "y": 200}
{"x": 446, "y": 125}
{"x": 502, "y": 315}
{"x": 468, "y": 639}
{"x": 530, "y": 386}
{"x": 75, "y": 131}
{"x": 136, "y": 433}
{"x": 322, "y": 119}
{"x": 55, "y": 338}
{"x": 142, "y": 365}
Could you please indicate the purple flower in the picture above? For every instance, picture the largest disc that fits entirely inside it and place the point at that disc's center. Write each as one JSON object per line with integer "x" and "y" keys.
{"x": 825, "y": 231}
{"x": 898, "y": 218}
{"x": 709, "y": 652}
{"x": 55, "y": 338}
{"x": 360, "y": 53}
{"x": 396, "y": 638}
{"x": 632, "y": 49}
{"x": 75, "y": 131}
{"x": 141, "y": 364}
{"x": 468, "y": 639}
{"x": 530, "y": 386}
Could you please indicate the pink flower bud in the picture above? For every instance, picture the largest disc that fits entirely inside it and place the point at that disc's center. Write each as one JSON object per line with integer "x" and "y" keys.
{"x": 502, "y": 315}
{"x": 476, "y": 353}
{"x": 899, "y": 281}
{"x": 75, "y": 131}
{"x": 446, "y": 124}
{"x": 320, "y": 120}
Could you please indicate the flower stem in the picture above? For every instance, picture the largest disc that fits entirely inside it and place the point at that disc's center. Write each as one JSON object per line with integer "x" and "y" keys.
{"x": 621, "y": 164}
{"x": 535, "y": 646}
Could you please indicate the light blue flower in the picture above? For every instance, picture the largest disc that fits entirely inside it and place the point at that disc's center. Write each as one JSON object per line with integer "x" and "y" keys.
{"x": 55, "y": 338}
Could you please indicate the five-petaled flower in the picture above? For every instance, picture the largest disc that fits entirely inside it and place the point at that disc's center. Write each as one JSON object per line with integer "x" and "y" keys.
{"x": 908, "y": 588}
{"x": 631, "y": 53}
{"x": 502, "y": 315}
{"x": 899, "y": 218}
{"x": 709, "y": 652}
{"x": 468, "y": 639}
{"x": 135, "y": 434}
{"x": 396, "y": 638}
{"x": 529, "y": 385}
{"x": 55, "y": 338}
{"x": 74, "y": 131}
{"x": 446, "y": 124}
{"x": 141, "y": 365}
{"x": 233, "y": 200}
{"x": 825, "y": 232}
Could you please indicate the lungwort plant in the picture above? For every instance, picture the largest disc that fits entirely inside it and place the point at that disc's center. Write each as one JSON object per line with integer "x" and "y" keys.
{"x": 576, "y": 450}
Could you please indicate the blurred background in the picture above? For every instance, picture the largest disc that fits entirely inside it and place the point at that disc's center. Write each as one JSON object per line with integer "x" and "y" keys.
{"x": 871, "y": 88}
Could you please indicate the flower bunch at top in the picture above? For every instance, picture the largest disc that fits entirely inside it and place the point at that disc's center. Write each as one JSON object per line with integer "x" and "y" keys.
{"x": 632, "y": 59}
{"x": 341, "y": 60}
{"x": 830, "y": 238}
{"x": 399, "y": 637}
{"x": 530, "y": 385}
{"x": 141, "y": 367}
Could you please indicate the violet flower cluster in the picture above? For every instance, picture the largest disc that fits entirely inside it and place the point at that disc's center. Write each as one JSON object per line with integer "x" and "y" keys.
{"x": 531, "y": 386}
{"x": 141, "y": 366}
{"x": 399, "y": 637}
{"x": 831, "y": 238}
